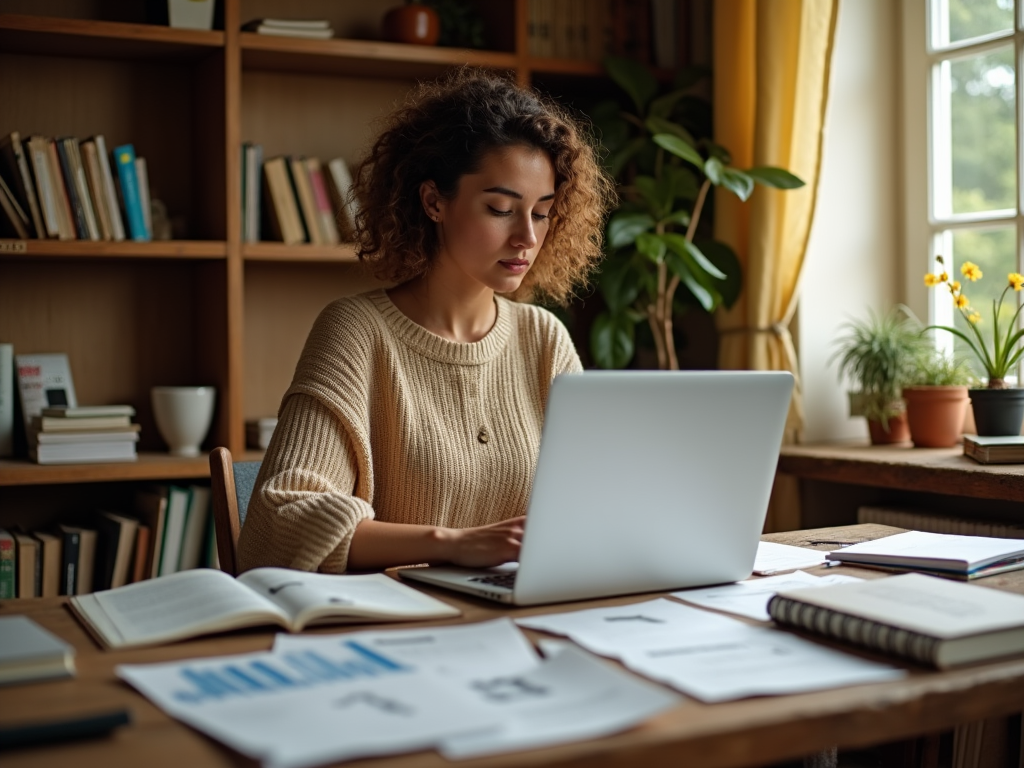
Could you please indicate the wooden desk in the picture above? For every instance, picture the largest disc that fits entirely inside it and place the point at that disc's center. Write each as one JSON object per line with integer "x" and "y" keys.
{"x": 839, "y": 477}
{"x": 752, "y": 732}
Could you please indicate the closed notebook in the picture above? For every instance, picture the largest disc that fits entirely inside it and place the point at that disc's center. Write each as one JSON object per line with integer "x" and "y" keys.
{"x": 29, "y": 652}
{"x": 923, "y": 618}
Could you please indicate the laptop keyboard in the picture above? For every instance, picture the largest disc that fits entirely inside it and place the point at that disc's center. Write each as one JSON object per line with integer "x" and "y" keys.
{"x": 507, "y": 580}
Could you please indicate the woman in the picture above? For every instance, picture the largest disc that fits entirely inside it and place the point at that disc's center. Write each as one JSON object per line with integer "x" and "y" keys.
{"x": 411, "y": 429}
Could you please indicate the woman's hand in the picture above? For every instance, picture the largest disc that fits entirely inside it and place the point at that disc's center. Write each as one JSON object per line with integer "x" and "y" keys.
{"x": 485, "y": 545}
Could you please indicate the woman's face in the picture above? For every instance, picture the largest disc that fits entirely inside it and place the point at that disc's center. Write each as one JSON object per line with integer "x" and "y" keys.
{"x": 491, "y": 231}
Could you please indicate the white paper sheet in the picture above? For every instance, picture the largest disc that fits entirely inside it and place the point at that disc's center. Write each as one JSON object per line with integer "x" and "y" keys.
{"x": 296, "y": 709}
{"x": 711, "y": 657}
{"x": 750, "y": 598}
{"x": 531, "y": 703}
{"x": 774, "y": 558}
{"x": 462, "y": 651}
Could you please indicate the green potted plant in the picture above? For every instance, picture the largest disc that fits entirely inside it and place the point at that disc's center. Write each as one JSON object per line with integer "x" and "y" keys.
{"x": 665, "y": 171}
{"x": 937, "y": 401}
{"x": 881, "y": 355}
{"x": 998, "y": 409}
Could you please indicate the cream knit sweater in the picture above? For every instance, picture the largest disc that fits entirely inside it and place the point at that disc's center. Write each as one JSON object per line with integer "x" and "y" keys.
{"x": 387, "y": 420}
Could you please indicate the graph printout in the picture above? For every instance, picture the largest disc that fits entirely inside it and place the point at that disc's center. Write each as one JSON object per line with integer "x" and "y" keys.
{"x": 303, "y": 708}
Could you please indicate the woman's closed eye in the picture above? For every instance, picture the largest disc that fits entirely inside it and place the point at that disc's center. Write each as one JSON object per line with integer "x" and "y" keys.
{"x": 499, "y": 212}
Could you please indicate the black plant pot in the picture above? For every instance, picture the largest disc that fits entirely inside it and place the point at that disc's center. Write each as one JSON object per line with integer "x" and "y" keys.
{"x": 998, "y": 412}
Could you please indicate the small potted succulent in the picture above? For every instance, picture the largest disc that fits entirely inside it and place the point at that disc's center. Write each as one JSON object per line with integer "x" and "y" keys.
{"x": 998, "y": 408}
{"x": 937, "y": 401}
{"x": 881, "y": 355}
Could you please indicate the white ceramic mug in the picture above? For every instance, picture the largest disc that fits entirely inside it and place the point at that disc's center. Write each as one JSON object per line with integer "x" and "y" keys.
{"x": 183, "y": 416}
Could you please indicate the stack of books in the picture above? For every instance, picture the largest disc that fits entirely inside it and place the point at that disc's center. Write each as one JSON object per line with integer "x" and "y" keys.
{"x": 69, "y": 435}
{"x": 305, "y": 202}
{"x": 995, "y": 450}
{"x": 68, "y": 189}
{"x": 317, "y": 29}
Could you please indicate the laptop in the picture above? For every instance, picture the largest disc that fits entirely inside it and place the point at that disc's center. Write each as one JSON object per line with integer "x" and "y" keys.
{"x": 646, "y": 481}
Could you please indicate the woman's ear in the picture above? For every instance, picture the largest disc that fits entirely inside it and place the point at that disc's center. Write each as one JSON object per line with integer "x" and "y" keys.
{"x": 433, "y": 203}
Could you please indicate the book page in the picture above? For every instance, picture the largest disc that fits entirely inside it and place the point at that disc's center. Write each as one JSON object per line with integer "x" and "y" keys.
{"x": 750, "y": 598}
{"x": 308, "y": 596}
{"x": 182, "y": 605}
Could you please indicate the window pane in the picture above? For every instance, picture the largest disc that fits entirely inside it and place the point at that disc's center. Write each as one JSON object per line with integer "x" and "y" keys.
{"x": 958, "y": 20}
{"x": 994, "y": 251}
{"x": 979, "y": 147}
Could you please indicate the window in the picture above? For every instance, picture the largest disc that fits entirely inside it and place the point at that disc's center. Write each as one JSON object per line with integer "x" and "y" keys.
{"x": 974, "y": 150}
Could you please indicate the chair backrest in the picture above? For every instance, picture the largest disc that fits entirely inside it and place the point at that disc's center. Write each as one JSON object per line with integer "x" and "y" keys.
{"x": 231, "y": 484}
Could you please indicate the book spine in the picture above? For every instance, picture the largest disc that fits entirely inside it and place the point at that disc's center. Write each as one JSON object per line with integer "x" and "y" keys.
{"x": 7, "y": 567}
{"x": 82, "y": 188}
{"x": 116, "y": 222}
{"x": 142, "y": 176}
{"x": 13, "y": 213}
{"x": 124, "y": 159}
{"x": 6, "y": 400}
{"x": 93, "y": 174}
{"x": 69, "y": 562}
{"x": 71, "y": 189}
{"x": 290, "y": 170}
{"x": 865, "y": 633}
{"x": 323, "y": 201}
{"x": 47, "y": 201}
{"x": 23, "y": 183}
{"x": 65, "y": 216}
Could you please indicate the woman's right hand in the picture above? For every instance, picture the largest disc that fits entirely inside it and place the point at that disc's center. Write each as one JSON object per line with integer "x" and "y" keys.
{"x": 485, "y": 545}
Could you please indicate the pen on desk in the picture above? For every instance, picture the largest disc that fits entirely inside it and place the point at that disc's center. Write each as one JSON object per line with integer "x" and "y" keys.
{"x": 836, "y": 543}
{"x": 62, "y": 730}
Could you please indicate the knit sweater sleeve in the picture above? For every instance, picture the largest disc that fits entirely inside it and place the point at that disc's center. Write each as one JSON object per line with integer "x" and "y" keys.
{"x": 303, "y": 511}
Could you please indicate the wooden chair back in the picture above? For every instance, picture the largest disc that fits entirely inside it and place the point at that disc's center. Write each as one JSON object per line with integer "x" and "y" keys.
{"x": 231, "y": 485}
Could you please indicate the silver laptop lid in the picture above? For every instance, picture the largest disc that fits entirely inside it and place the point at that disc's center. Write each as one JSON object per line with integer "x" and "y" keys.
{"x": 650, "y": 480}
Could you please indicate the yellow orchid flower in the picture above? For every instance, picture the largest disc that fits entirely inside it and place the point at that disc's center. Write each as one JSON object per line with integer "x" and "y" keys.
{"x": 974, "y": 318}
{"x": 961, "y": 301}
{"x": 931, "y": 280}
{"x": 955, "y": 286}
{"x": 1016, "y": 280}
{"x": 971, "y": 271}
{"x": 943, "y": 277}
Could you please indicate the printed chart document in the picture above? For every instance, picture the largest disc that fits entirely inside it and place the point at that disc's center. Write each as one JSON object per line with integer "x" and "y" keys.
{"x": 713, "y": 660}
{"x": 201, "y": 601}
{"x": 750, "y": 598}
{"x": 303, "y": 708}
{"x": 774, "y": 558}
{"x": 532, "y": 703}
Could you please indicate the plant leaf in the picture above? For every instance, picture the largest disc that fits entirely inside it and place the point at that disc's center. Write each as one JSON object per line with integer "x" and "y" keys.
{"x": 658, "y": 125}
{"x": 779, "y": 178}
{"x": 679, "y": 148}
{"x": 634, "y": 78}
{"x": 663, "y": 105}
{"x": 651, "y": 246}
{"x": 680, "y": 218}
{"x": 704, "y": 297}
{"x": 723, "y": 257}
{"x": 683, "y": 247}
{"x": 619, "y": 283}
{"x": 612, "y": 339}
{"x": 713, "y": 169}
{"x": 737, "y": 182}
{"x": 624, "y": 227}
{"x": 657, "y": 196}
{"x": 617, "y": 161}
{"x": 684, "y": 183}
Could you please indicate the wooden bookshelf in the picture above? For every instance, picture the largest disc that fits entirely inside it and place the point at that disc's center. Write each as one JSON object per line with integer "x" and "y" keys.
{"x": 207, "y": 308}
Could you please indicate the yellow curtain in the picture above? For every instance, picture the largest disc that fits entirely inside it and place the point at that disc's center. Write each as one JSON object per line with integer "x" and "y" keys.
{"x": 771, "y": 77}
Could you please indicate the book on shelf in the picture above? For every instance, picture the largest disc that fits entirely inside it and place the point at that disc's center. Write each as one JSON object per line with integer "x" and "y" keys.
{"x": 115, "y": 549}
{"x": 940, "y": 554}
{"x": 16, "y": 168}
{"x": 66, "y": 215}
{"x": 38, "y": 152}
{"x": 6, "y": 400}
{"x": 307, "y": 203}
{"x": 87, "y": 411}
{"x": 109, "y": 189}
{"x": 78, "y": 195}
{"x": 29, "y": 564}
{"x": 151, "y": 509}
{"x": 317, "y": 29}
{"x": 339, "y": 187}
{"x": 252, "y": 164}
{"x": 141, "y": 556}
{"x": 325, "y": 212}
{"x": 82, "y": 187}
{"x": 28, "y": 652}
{"x": 174, "y": 528}
{"x": 15, "y": 221}
{"x": 995, "y": 450}
{"x": 195, "y": 528}
{"x": 83, "y": 424}
{"x": 915, "y": 616}
{"x": 8, "y": 567}
{"x": 131, "y": 195}
{"x": 44, "y": 380}
{"x": 91, "y": 159}
{"x": 70, "y": 540}
{"x": 282, "y": 207}
{"x": 142, "y": 175}
{"x": 169, "y": 609}
{"x": 51, "y": 559}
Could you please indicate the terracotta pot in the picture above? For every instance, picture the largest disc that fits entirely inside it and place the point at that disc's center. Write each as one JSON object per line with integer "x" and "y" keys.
{"x": 898, "y": 432}
{"x": 936, "y": 415}
{"x": 998, "y": 412}
{"x": 412, "y": 23}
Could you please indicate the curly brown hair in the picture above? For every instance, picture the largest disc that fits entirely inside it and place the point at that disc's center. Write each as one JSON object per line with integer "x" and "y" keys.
{"x": 440, "y": 134}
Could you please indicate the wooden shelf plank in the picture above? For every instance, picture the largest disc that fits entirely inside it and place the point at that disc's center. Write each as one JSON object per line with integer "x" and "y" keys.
{"x": 554, "y": 66}
{"x": 89, "y": 249}
{"x": 149, "y": 466}
{"x": 365, "y": 58}
{"x": 931, "y": 470}
{"x": 51, "y": 36}
{"x": 298, "y": 253}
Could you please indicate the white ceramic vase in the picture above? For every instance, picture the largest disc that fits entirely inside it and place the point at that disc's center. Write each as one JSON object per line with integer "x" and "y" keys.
{"x": 183, "y": 416}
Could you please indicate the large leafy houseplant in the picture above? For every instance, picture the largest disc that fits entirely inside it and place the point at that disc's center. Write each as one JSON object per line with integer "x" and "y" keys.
{"x": 665, "y": 168}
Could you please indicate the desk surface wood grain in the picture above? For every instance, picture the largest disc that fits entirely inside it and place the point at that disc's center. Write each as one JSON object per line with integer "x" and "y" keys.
{"x": 750, "y": 732}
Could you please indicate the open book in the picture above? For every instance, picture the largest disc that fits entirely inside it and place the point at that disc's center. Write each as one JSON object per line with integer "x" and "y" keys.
{"x": 202, "y": 601}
